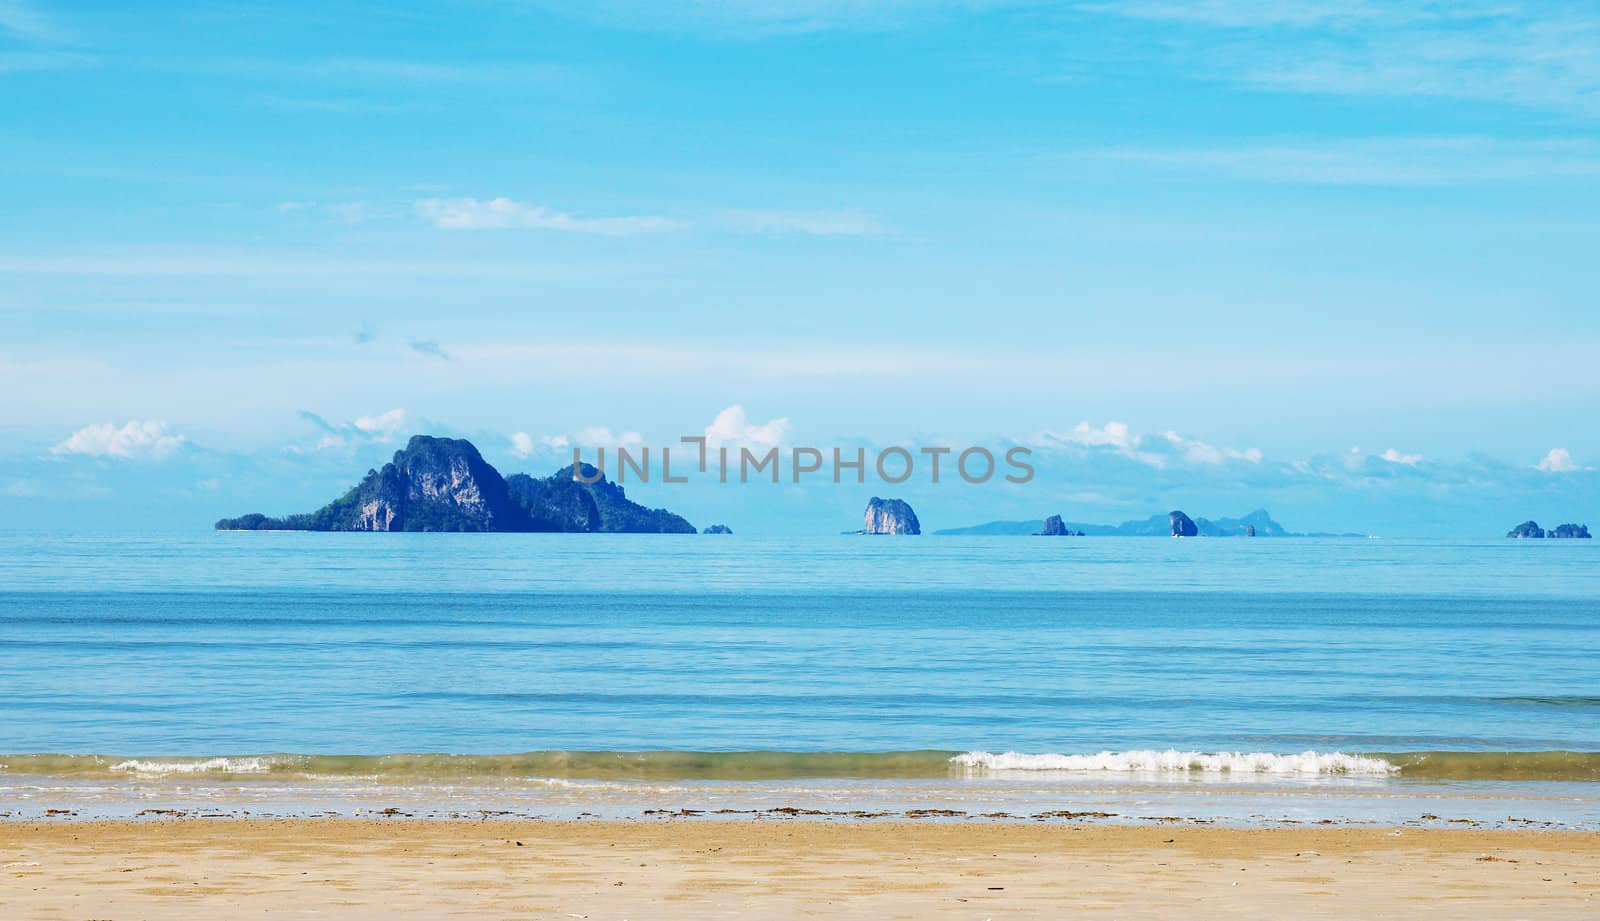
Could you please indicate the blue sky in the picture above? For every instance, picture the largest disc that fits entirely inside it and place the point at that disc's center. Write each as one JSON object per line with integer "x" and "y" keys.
{"x": 1337, "y": 259}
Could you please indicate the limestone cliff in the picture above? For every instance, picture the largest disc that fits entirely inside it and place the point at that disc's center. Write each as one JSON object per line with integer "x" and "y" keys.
{"x": 444, "y": 484}
{"x": 1055, "y": 527}
{"x": 890, "y": 516}
{"x": 1531, "y": 529}
{"x": 1526, "y": 530}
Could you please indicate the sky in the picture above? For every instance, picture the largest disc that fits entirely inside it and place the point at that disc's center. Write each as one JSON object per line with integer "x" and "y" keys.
{"x": 1336, "y": 259}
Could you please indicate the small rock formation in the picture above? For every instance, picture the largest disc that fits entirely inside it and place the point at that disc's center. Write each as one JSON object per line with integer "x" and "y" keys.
{"x": 1249, "y": 530}
{"x": 1569, "y": 530}
{"x": 890, "y": 516}
{"x": 718, "y": 529}
{"x": 1525, "y": 530}
{"x": 1055, "y": 527}
{"x": 1182, "y": 525}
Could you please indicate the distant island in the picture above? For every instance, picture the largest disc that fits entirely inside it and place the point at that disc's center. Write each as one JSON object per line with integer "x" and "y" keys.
{"x": 890, "y": 516}
{"x": 444, "y": 484}
{"x": 1175, "y": 523}
{"x": 1531, "y": 529}
{"x": 1055, "y": 527}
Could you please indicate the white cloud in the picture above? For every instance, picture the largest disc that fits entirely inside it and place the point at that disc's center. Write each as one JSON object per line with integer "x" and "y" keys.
{"x": 1113, "y": 434}
{"x": 504, "y": 214}
{"x": 1559, "y": 460}
{"x": 384, "y": 426}
{"x": 1395, "y": 457}
{"x": 849, "y": 222}
{"x": 733, "y": 426}
{"x": 380, "y": 428}
{"x": 1157, "y": 452}
{"x": 1199, "y": 452}
{"x": 133, "y": 439}
{"x": 599, "y": 436}
{"x": 525, "y": 445}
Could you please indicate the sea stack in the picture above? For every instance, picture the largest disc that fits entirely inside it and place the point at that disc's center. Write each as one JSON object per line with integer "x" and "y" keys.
{"x": 1182, "y": 525}
{"x": 718, "y": 529}
{"x": 1055, "y": 527}
{"x": 1528, "y": 529}
{"x": 890, "y": 516}
{"x": 1568, "y": 530}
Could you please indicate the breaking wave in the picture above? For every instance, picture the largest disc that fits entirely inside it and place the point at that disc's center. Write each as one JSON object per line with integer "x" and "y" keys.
{"x": 216, "y": 766}
{"x": 1171, "y": 761}
{"x": 555, "y": 767}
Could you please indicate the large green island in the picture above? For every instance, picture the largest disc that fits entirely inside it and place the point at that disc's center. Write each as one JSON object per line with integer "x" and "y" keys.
{"x": 444, "y": 484}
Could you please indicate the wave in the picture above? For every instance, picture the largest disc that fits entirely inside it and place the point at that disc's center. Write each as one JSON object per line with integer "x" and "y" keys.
{"x": 191, "y": 766}
{"x": 550, "y": 767}
{"x": 1180, "y": 762}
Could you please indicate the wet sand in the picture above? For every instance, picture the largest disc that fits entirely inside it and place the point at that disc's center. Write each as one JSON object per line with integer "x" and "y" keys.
{"x": 672, "y": 869}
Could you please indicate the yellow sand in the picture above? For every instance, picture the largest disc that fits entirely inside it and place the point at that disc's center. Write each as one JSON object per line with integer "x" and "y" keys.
{"x": 379, "y": 869}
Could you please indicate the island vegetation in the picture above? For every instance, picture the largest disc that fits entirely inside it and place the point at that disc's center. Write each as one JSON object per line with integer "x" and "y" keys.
{"x": 444, "y": 484}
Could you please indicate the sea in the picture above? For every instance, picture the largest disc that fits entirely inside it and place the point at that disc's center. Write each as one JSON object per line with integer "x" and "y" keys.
{"x": 1131, "y": 680}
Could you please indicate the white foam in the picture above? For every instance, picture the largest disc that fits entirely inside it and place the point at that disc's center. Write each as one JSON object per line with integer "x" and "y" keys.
{"x": 1173, "y": 761}
{"x": 207, "y": 766}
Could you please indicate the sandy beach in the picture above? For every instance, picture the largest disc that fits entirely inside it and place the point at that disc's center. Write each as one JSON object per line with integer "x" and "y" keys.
{"x": 361, "y": 869}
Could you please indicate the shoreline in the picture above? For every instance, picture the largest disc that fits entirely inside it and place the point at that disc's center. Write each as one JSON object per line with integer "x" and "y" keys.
{"x": 67, "y": 815}
{"x": 358, "y": 869}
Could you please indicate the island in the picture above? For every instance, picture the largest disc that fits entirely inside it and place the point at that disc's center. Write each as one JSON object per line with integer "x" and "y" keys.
{"x": 1258, "y": 522}
{"x": 444, "y": 484}
{"x": 1055, "y": 527}
{"x": 1182, "y": 525}
{"x": 890, "y": 516}
{"x": 1531, "y": 530}
{"x": 718, "y": 529}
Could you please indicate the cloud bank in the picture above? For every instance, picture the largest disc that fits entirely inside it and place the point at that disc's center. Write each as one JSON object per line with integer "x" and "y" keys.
{"x": 505, "y": 214}
{"x": 134, "y": 439}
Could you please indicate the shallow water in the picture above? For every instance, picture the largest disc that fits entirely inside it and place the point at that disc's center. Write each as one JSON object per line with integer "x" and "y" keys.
{"x": 156, "y": 649}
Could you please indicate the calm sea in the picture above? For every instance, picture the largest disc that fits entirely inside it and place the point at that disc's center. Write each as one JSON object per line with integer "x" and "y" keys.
{"x": 845, "y": 669}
